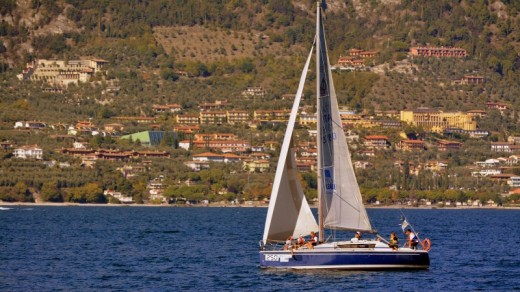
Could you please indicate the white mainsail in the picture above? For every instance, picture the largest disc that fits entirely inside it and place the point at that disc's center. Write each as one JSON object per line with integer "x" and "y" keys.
{"x": 289, "y": 213}
{"x": 340, "y": 198}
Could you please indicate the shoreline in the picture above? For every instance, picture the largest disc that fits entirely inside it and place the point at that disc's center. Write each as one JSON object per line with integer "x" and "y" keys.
{"x": 217, "y": 205}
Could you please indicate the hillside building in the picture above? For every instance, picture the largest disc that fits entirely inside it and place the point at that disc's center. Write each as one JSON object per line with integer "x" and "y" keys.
{"x": 445, "y": 145}
{"x": 237, "y": 117}
{"x": 376, "y": 142}
{"x": 256, "y": 165}
{"x": 213, "y": 117}
{"x": 217, "y": 105}
{"x": 32, "y": 125}
{"x": 223, "y": 142}
{"x": 472, "y": 80}
{"x": 214, "y": 157}
{"x": 355, "y": 59}
{"x": 411, "y": 145}
{"x": 187, "y": 119}
{"x": 61, "y": 73}
{"x": 253, "y": 92}
{"x": 5, "y": 145}
{"x": 438, "y": 52}
{"x": 272, "y": 115}
{"x": 28, "y": 151}
{"x": 139, "y": 120}
{"x": 497, "y": 105}
{"x": 477, "y": 113}
{"x": 167, "y": 108}
{"x": 437, "y": 121}
{"x": 152, "y": 138}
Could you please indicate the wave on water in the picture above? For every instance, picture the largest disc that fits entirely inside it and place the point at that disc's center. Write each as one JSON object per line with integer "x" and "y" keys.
{"x": 5, "y": 209}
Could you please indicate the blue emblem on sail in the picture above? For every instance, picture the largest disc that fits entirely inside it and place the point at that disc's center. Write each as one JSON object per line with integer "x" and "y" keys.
{"x": 330, "y": 186}
{"x": 327, "y": 174}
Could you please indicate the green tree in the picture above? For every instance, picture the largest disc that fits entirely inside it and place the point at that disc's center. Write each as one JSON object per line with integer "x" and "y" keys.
{"x": 50, "y": 192}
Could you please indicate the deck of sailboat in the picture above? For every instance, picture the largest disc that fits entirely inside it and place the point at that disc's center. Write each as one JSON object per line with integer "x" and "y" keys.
{"x": 360, "y": 246}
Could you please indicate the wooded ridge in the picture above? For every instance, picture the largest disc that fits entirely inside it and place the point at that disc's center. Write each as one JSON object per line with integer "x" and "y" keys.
{"x": 191, "y": 52}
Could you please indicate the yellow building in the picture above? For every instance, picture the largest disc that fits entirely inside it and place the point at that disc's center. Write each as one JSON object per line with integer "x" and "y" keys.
{"x": 308, "y": 120}
{"x": 213, "y": 117}
{"x": 272, "y": 115}
{"x": 237, "y": 116}
{"x": 253, "y": 165}
{"x": 436, "y": 120}
{"x": 187, "y": 119}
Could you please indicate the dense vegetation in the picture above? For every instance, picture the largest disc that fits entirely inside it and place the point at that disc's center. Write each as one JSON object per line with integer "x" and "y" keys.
{"x": 124, "y": 33}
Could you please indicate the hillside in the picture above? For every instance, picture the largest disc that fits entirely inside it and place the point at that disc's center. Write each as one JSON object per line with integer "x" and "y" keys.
{"x": 192, "y": 52}
{"x": 211, "y": 45}
{"x": 157, "y": 35}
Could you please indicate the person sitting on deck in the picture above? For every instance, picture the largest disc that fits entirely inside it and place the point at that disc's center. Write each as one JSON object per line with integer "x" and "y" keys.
{"x": 356, "y": 237}
{"x": 412, "y": 239}
{"x": 394, "y": 241}
{"x": 288, "y": 243}
{"x": 313, "y": 241}
{"x": 301, "y": 241}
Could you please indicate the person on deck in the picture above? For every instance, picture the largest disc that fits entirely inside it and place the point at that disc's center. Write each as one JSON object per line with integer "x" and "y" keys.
{"x": 301, "y": 241}
{"x": 394, "y": 241}
{"x": 313, "y": 241}
{"x": 356, "y": 237}
{"x": 288, "y": 243}
{"x": 412, "y": 239}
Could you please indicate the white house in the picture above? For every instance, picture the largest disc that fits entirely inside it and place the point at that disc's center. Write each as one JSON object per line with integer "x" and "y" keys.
{"x": 29, "y": 125}
{"x": 362, "y": 164}
{"x": 185, "y": 144}
{"x": 488, "y": 163}
{"x": 118, "y": 195}
{"x": 197, "y": 165}
{"x": 514, "y": 181}
{"x": 213, "y": 157}
{"x": 80, "y": 145}
{"x": 486, "y": 172}
{"x": 28, "y": 151}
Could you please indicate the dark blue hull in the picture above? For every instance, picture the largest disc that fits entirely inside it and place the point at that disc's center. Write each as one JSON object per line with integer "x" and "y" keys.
{"x": 351, "y": 260}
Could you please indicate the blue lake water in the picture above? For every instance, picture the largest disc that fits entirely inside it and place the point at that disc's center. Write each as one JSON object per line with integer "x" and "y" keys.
{"x": 179, "y": 249}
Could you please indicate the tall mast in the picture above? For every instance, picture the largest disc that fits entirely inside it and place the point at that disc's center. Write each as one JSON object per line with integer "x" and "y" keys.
{"x": 318, "y": 96}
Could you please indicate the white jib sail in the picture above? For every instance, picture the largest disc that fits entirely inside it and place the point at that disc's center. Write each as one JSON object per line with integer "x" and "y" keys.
{"x": 289, "y": 213}
{"x": 339, "y": 191}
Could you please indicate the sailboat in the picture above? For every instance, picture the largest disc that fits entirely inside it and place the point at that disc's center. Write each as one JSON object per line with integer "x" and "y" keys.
{"x": 340, "y": 206}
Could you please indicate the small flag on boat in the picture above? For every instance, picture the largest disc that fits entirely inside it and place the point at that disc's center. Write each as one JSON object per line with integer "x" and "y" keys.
{"x": 404, "y": 225}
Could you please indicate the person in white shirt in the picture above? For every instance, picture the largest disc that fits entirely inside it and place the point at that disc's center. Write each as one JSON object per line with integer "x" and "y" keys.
{"x": 412, "y": 239}
{"x": 313, "y": 241}
{"x": 289, "y": 243}
{"x": 356, "y": 237}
